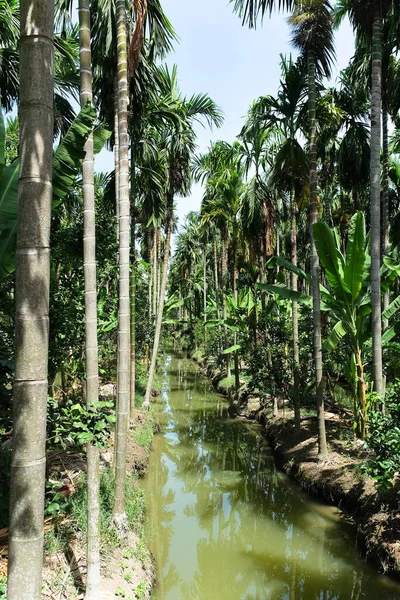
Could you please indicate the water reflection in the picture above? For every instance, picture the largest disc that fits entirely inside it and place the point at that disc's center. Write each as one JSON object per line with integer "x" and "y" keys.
{"x": 227, "y": 525}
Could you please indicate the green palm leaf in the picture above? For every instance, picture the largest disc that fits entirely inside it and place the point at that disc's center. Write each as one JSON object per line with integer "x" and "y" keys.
{"x": 287, "y": 293}
{"x": 67, "y": 164}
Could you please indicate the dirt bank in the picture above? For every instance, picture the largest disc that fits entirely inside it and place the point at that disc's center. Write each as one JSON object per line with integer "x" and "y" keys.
{"x": 339, "y": 480}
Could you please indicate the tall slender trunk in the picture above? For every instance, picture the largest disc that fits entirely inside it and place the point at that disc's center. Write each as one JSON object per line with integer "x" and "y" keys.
{"x": 216, "y": 283}
{"x": 322, "y": 446}
{"x": 150, "y": 250}
{"x": 295, "y": 316}
{"x": 155, "y": 269}
{"x": 157, "y": 333}
{"x": 116, "y": 155}
{"x": 205, "y": 283}
{"x": 224, "y": 269}
{"x": 385, "y": 199}
{"x": 132, "y": 377}
{"x": 159, "y": 272}
{"x": 235, "y": 296}
{"x": 89, "y": 269}
{"x": 375, "y": 173}
{"x": 28, "y": 461}
{"x": 119, "y": 516}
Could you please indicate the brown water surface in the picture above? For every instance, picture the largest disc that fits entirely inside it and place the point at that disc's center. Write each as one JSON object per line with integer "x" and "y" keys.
{"x": 225, "y": 524}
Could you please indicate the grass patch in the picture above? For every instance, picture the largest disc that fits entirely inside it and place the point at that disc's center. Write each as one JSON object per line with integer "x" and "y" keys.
{"x": 75, "y": 520}
{"x": 144, "y": 435}
{"x": 227, "y": 383}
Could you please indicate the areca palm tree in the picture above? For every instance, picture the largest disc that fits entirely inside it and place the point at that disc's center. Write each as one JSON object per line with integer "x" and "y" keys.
{"x": 89, "y": 259}
{"x": 32, "y": 301}
{"x": 367, "y": 18}
{"x": 222, "y": 205}
{"x": 313, "y": 36}
{"x": 290, "y": 175}
{"x": 179, "y": 143}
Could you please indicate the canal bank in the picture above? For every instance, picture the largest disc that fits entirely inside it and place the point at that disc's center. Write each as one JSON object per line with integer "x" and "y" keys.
{"x": 339, "y": 480}
{"x": 224, "y": 522}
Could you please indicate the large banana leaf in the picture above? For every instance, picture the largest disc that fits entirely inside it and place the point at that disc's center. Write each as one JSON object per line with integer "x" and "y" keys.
{"x": 330, "y": 258}
{"x": 337, "y": 333}
{"x": 355, "y": 263}
{"x": 67, "y": 164}
{"x": 287, "y": 293}
{"x": 391, "y": 309}
{"x": 2, "y": 143}
{"x": 8, "y": 218}
{"x": 282, "y": 262}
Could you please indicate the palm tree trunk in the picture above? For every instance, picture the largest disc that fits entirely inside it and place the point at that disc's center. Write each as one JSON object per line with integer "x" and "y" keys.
{"x": 205, "y": 283}
{"x": 295, "y": 316}
{"x": 116, "y": 155}
{"x": 385, "y": 199}
{"x": 224, "y": 269}
{"x": 235, "y": 295}
{"x": 150, "y": 250}
{"x": 25, "y": 553}
{"x": 159, "y": 273}
{"x": 89, "y": 269}
{"x": 322, "y": 446}
{"x": 157, "y": 333}
{"x": 119, "y": 516}
{"x": 132, "y": 376}
{"x": 375, "y": 173}
{"x": 216, "y": 276}
{"x": 156, "y": 259}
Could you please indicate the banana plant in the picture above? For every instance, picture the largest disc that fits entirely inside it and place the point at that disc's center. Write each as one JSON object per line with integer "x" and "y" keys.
{"x": 348, "y": 300}
{"x": 67, "y": 165}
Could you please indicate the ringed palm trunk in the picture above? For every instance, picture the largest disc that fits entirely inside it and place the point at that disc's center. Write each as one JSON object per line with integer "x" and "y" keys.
{"x": 235, "y": 295}
{"x": 224, "y": 274}
{"x": 119, "y": 516}
{"x": 385, "y": 199}
{"x": 216, "y": 276}
{"x": 116, "y": 155}
{"x": 32, "y": 301}
{"x": 155, "y": 270}
{"x": 160, "y": 310}
{"x": 375, "y": 173}
{"x": 295, "y": 317}
{"x": 322, "y": 446}
{"x": 89, "y": 269}
{"x": 133, "y": 288}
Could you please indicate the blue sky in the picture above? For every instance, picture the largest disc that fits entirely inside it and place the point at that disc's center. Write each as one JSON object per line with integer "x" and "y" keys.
{"x": 233, "y": 64}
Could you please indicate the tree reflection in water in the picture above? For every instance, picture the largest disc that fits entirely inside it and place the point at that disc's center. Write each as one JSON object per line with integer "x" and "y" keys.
{"x": 226, "y": 524}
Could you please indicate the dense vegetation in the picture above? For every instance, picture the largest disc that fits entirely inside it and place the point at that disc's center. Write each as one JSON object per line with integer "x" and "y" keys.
{"x": 288, "y": 277}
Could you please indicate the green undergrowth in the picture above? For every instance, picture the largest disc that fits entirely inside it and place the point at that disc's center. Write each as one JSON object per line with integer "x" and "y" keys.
{"x": 73, "y": 523}
{"x": 141, "y": 383}
{"x": 143, "y": 433}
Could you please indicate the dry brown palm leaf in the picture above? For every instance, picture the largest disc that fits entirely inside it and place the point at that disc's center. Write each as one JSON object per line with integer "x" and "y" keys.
{"x": 136, "y": 43}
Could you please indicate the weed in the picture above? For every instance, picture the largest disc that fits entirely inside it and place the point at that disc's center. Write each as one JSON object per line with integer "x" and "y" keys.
{"x": 141, "y": 552}
{"x": 144, "y": 435}
{"x": 123, "y": 565}
{"x": 120, "y": 592}
{"x": 128, "y": 576}
{"x": 141, "y": 589}
{"x": 3, "y": 585}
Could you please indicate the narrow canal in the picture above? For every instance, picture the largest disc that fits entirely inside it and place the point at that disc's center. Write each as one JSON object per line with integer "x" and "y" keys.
{"x": 225, "y": 524}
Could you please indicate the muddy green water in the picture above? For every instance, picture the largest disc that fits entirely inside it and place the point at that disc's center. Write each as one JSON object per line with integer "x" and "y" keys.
{"x": 224, "y": 524}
